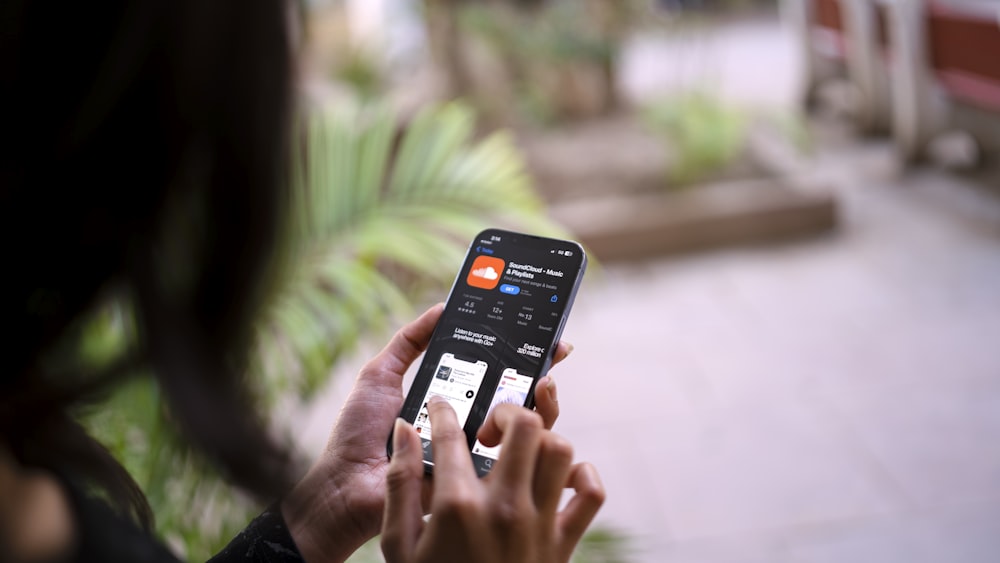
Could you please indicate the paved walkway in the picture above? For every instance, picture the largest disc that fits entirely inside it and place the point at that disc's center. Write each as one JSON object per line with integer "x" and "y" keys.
{"x": 834, "y": 400}
{"x": 824, "y": 401}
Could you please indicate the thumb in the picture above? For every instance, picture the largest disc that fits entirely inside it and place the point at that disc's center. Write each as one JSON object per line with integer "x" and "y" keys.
{"x": 403, "y": 519}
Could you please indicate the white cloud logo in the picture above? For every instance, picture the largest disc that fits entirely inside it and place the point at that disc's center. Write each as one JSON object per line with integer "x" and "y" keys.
{"x": 488, "y": 273}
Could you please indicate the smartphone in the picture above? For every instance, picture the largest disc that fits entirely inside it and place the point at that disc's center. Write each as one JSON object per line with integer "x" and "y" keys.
{"x": 497, "y": 335}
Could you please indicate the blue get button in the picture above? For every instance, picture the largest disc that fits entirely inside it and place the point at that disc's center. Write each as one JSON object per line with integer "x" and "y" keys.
{"x": 510, "y": 289}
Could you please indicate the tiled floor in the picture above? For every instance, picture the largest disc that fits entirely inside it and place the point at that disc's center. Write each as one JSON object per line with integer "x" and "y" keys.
{"x": 832, "y": 400}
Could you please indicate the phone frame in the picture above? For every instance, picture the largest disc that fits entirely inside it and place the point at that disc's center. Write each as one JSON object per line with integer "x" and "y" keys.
{"x": 411, "y": 403}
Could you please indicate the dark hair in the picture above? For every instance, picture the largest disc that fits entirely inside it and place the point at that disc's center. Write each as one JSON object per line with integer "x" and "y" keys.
{"x": 143, "y": 150}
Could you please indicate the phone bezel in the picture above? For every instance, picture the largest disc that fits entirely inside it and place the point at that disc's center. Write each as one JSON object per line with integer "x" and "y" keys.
{"x": 419, "y": 388}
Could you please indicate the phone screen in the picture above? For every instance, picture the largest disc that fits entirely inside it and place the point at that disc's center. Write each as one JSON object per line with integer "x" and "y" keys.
{"x": 497, "y": 334}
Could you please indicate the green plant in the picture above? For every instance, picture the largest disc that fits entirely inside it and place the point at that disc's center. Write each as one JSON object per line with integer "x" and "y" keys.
{"x": 550, "y": 60}
{"x": 703, "y": 132}
{"x": 373, "y": 225}
{"x": 375, "y": 228}
{"x": 358, "y": 69}
{"x": 599, "y": 545}
{"x": 559, "y": 32}
{"x": 603, "y": 545}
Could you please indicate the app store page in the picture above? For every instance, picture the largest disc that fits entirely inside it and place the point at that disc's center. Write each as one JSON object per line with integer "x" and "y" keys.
{"x": 501, "y": 319}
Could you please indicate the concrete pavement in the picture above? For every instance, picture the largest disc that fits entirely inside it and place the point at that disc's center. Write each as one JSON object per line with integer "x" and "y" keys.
{"x": 837, "y": 400}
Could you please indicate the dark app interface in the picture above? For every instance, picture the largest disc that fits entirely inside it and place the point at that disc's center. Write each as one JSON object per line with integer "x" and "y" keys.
{"x": 493, "y": 340}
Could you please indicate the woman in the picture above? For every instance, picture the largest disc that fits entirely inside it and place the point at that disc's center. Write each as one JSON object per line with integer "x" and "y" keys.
{"x": 143, "y": 147}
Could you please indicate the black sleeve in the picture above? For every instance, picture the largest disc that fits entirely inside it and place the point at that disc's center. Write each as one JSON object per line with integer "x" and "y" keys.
{"x": 265, "y": 540}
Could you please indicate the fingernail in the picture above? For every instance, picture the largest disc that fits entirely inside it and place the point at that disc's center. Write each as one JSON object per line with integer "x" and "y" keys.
{"x": 569, "y": 348}
{"x": 435, "y": 399}
{"x": 399, "y": 443}
{"x": 552, "y": 389}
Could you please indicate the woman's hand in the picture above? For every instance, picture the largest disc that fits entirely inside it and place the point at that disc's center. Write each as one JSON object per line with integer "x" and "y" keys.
{"x": 338, "y": 505}
{"x": 511, "y": 515}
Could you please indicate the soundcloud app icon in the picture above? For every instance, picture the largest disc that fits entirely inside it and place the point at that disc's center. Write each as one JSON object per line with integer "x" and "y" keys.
{"x": 485, "y": 272}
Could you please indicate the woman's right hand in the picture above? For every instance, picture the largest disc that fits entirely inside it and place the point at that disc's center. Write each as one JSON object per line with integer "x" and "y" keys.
{"x": 510, "y": 515}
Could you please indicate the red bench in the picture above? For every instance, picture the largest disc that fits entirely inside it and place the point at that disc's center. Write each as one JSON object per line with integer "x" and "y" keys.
{"x": 964, "y": 50}
{"x": 946, "y": 73}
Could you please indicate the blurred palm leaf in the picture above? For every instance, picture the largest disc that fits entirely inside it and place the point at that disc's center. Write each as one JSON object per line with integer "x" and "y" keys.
{"x": 375, "y": 221}
{"x": 375, "y": 218}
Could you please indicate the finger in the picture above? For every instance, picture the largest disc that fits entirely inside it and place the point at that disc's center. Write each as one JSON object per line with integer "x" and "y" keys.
{"x": 572, "y": 522}
{"x": 452, "y": 462}
{"x": 404, "y": 348}
{"x": 546, "y": 402}
{"x": 563, "y": 350}
{"x": 551, "y": 474}
{"x": 403, "y": 518}
{"x": 427, "y": 493}
{"x": 521, "y": 432}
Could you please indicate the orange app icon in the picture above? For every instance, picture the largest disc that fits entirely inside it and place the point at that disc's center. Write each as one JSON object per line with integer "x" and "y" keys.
{"x": 485, "y": 272}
